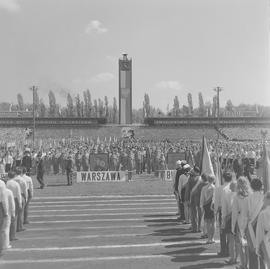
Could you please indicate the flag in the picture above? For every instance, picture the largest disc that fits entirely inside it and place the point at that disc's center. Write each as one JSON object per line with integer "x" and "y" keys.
{"x": 206, "y": 164}
{"x": 218, "y": 172}
{"x": 266, "y": 170}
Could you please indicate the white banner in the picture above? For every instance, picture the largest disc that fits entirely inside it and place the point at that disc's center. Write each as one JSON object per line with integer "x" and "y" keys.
{"x": 169, "y": 174}
{"x": 100, "y": 176}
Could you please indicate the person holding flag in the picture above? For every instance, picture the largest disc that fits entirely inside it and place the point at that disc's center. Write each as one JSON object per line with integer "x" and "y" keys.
{"x": 255, "y": 204}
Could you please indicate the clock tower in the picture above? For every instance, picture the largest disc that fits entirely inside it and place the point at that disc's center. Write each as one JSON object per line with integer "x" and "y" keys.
{"x": 125, "y": 90}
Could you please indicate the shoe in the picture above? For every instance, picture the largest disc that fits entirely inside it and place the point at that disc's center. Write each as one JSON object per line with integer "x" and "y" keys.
{"x": 220, "y": 254}
{"x": 210, "y": 242}
{"x": 26, "y": 222}
{"x": 14, "y": 239}
{"x": 9, "y": 246}
{"x": 21, "y": 230}
{"x": 204, "y": 236}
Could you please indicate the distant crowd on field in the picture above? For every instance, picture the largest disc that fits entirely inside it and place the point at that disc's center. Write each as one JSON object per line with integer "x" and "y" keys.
{"x": 133, "y": 155}
{"x": 236, "y": 205}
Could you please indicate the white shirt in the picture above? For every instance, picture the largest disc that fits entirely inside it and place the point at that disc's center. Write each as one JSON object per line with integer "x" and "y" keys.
{"x": 183, "y": 179}
{"x": 255, "y": 203}
{"x": 23, "y": 185}
{"x": 29, "y": 183}
{"x": 206, "y": 193}
{"x": 16, "y": 190}
{"x": 3, "y": 196}
{"x": 11, "y": 203}
{"x": 263, "y": 227}
{"x": 239, "y": 209}
{"x": 218, "y": 194}
{"x": 226, "y": 204}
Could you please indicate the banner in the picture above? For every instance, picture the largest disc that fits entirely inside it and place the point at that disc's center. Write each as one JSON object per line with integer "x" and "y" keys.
{"x": 169, "y": 175}
{"x": 99, "y": 162}
{"x": 100, "y": 176}
{"x": 173, "y": 157}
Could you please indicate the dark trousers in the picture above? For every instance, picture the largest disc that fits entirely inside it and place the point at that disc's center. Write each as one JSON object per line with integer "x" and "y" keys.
{"x": 224, "y": 242}
{"x": 254, "y": 262}
{"x": 196, "y": 217}
{"x": 20, "y": 216}
{"x": 13, "y": 224}
{"x": 7, "y": 167}
{"x": 25, "y": 216}
{"x": 40, "y": 179}
{"x": 69, "y": 176}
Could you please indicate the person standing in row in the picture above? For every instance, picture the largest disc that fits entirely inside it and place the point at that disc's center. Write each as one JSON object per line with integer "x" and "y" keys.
{"x": 179, "y": 172}
{"x": 226, "y": 223}
{"x": 3, "y": 213}
{"x": 218, "y": 193}
{"x": 69, "y": 168}
{"x": 30, "y": 193}
{"x": 10, "y": 217}
{"x": 184, "y": 207}
{"x": 27, "y": 161}
{"x": 239, "y": 219}
{"x": 23, "y": 185}
{"x": 263, "y": 229}
{"x": 207, "y": 193}
{"x": 16, "y": 190}
{"x": 40, "y": 170}
{"x": 255, "y": 204}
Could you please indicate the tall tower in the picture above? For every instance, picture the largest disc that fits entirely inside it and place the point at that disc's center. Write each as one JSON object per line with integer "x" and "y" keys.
{"x": 125, "y": 90}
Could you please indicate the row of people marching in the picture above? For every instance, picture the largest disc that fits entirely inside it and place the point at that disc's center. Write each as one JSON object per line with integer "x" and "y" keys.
{"x": 16, "y": 192}
{"x": 239, "y": 208}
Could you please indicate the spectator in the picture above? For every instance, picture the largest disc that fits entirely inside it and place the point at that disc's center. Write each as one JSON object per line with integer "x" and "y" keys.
{"x": 239, "y": 218}
{"x": 205, "y": 204}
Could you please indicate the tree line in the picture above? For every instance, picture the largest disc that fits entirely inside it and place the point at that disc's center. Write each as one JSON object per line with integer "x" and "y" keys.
{"x": 84, "y": 107}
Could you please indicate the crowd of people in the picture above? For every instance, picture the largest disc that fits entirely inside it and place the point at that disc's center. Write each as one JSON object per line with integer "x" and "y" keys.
{"x": 16, "y": 192}
{"x": 201, "y": 202}
{"x": 239, "y": 207}
{"x": 139, "y": 156}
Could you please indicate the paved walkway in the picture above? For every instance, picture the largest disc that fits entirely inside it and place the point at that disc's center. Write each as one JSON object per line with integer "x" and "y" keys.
{"x": 132, "y": 231}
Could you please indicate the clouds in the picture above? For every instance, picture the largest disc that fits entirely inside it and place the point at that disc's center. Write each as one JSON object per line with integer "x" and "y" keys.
{"x": 94, "y": 26}
{"x": 99, "y": 78}
{"x": 102, "y": 77}
{"x": 10, "y": 5}
{"x": 169, "y": 84}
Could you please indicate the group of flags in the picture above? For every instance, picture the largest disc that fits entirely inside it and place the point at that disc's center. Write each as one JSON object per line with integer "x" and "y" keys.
{"x": 207, "y": 165}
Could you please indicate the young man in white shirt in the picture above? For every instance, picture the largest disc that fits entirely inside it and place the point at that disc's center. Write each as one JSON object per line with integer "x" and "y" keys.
{"x": 16, "y": 190}
{"x": 30, "y": 192}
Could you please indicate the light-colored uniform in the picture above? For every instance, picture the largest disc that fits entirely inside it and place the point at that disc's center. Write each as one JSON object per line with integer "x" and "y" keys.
{"x": 255, "y": 203}
{"x": 3, "y": 212}
{"x": 16, "y": 190}
{"x": 7, "y": 221}
{"x": 30, "y": 192}
{"x": 263, "y": 232}
{"x": 24, "y": 193}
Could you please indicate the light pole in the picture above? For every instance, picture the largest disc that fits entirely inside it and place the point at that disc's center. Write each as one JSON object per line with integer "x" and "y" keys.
{"x": 34, "y": 89}
{"x": 218, "y": 90}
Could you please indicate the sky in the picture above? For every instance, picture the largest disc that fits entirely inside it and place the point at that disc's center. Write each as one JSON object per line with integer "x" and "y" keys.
{"x": 176, "y": 46}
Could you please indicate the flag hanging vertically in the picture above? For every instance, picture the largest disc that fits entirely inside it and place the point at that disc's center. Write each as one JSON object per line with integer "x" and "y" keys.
{"x": 206, "y": 164}
{"x": 266, "y": 170}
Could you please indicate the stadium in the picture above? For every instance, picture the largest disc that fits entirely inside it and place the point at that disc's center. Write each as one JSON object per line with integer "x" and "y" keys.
{"x": 156, "y": 161}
